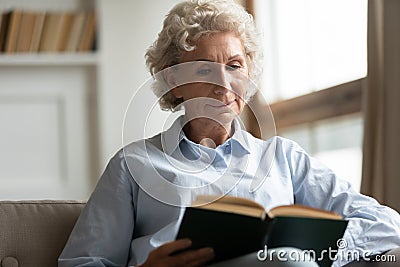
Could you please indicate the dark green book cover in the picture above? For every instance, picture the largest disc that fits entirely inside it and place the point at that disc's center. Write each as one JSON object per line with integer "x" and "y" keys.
{"x": 232, "y": 235}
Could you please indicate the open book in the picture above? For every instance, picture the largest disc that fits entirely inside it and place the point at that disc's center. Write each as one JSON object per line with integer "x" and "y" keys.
{"x": 236, "y": 226}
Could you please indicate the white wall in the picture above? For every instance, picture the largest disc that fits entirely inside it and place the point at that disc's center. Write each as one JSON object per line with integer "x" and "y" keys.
{"x": 128, "y": 28}
{"x": 63, "y": 114}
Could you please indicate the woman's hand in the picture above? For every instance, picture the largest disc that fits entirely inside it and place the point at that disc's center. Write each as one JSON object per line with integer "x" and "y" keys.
{"x": 161, "y": 256}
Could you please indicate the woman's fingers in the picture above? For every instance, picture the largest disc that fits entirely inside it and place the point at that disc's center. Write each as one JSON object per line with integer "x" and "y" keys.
{"x": 161, "y": 257}
{"x": 194, "y": 258}
{"x": 168, "y": 248}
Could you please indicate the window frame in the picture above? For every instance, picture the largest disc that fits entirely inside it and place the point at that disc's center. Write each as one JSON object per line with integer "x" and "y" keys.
{"x": 335, "y": 101}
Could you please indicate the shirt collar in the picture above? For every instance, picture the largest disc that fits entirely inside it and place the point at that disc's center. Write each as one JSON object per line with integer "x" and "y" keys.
{"x": 240, "y": 136}
{"x": 171, "y": 138}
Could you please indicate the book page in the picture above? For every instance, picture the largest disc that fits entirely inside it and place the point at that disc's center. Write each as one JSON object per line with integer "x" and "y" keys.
{"x": 230, "y": 204}
{"x": 208, "y": 199}
{"x": 302, "y": 211}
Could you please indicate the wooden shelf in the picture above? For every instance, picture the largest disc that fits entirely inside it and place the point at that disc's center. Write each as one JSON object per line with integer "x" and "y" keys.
{"x": 49, "y": 59}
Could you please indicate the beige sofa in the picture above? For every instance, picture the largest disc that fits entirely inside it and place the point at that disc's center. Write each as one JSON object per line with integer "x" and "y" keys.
{"x": 33, "y": 233}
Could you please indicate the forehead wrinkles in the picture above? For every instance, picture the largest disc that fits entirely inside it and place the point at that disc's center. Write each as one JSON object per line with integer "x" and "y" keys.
{"x": 218, "y": 47}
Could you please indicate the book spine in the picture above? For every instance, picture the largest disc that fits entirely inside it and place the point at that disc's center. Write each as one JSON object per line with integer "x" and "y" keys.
{"x": 37, "y": 32}
{"x": 25, "y": 31}
{"x": 75, "y": 32}
{"x": 88, "y": 34}
{"x": 5, "y": 20}
{"x": 64, "y": 31}
{"x": 12, "y": 32}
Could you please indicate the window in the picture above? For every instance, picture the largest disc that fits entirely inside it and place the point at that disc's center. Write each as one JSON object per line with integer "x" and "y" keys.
{"x": 312, "y": 45}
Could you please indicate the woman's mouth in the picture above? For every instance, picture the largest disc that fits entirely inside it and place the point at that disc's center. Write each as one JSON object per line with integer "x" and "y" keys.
{"x": 222, "y": 104}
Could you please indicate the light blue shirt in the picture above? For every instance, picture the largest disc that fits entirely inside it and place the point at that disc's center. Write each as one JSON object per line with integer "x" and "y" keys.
{"x": 135, "y": 206}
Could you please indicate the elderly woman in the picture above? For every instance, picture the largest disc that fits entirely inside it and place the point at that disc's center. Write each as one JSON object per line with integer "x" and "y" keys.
{"x": 203, "y": 61}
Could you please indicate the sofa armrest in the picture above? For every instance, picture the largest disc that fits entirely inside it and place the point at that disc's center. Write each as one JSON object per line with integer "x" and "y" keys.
{"x": 33, "y": 233}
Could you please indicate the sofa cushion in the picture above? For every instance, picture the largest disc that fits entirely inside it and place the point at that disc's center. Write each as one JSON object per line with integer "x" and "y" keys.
{"x": 33, "y": 233}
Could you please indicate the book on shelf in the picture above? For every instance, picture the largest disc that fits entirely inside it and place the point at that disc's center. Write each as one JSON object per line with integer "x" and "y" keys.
{"x": 37, "y": 32}
{"x": 51, "y": 34}
{"x": 65, "y": 30}
{"x": 88, "y": 32}
{"x": 14, "y": 21}
{"x": 3, "y": 30}
{"x": 236, "y": 226}
{"x": 75, "y": 32}
{"x": 25, "y": 32}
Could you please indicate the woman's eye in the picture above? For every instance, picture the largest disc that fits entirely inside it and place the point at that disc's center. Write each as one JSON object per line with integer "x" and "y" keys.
{"x": 204, "y": 72}
{"x": 233, "y": 67}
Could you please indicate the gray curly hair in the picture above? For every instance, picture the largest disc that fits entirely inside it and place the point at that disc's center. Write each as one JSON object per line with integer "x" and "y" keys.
{"x": 185, "y": 24}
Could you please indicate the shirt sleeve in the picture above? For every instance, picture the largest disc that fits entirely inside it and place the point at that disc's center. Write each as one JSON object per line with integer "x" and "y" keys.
{"x": 372, "y": 228}
{"x": 106, "y": 224}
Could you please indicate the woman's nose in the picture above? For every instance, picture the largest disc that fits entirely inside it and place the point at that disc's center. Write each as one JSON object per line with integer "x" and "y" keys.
{"x": 222, "y": 82}
{"x": 220, "y": 90}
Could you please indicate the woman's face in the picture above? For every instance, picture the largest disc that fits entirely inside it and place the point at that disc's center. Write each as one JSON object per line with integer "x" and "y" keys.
{"x": 213, "y": 78}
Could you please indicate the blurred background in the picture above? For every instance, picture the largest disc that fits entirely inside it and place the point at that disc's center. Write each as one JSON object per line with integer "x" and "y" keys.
{"x": 62, "y": 103}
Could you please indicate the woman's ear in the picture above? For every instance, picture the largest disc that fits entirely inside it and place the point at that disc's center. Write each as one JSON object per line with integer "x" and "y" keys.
{"x": 170, "y": 76}
{"x": 176, "y": 92}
